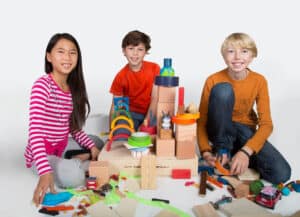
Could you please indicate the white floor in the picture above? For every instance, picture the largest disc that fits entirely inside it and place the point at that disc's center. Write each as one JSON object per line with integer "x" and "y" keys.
{"x": 17, "y": 182}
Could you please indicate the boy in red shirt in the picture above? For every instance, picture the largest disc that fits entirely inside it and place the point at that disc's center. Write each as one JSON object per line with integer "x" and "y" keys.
{"x": 136, "y": 79}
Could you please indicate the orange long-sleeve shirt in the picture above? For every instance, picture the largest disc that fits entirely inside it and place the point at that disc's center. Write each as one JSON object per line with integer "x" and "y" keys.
{"x": 252, "y": 90}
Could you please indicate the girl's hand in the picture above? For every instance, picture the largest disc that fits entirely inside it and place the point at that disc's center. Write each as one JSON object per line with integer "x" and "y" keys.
{"x": 46, "y": 182}
{"x": 240, "y": 163}
{"x": 95, "y": 152}
{"x": 209, "y": 158}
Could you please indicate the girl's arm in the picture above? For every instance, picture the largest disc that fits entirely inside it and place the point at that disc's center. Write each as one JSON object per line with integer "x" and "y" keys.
{"x": 37, "y": 119}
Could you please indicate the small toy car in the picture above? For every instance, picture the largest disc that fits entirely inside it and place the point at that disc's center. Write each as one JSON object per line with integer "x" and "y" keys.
{"x": 268, "y": 197}
{"x": 223, "y": 200}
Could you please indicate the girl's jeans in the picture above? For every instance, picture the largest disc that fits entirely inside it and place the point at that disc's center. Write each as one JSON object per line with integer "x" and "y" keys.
{"x": 232, "y": 136}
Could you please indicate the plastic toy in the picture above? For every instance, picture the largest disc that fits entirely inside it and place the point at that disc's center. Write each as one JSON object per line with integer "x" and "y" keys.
{"x": 268, "y": 197}
{"x": 181, "y": 173}
{"x": 51, "y": 199}
{"x": 224, "y": 199}
{"x": 167, "y": 69}
{"x": 121, "y": 103}
{"x": 165, "y": 121}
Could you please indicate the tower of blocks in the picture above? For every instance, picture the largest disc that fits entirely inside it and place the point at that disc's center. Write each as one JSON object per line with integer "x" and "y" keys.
{"x": 166, "y": 83}
{"x": 185, "y": 132}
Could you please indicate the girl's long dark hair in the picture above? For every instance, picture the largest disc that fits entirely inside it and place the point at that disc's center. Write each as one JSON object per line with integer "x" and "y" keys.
{"x": 81, "y": 105}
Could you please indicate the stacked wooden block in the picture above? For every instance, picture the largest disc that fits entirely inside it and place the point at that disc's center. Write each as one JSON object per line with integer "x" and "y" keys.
{"x": 185, "y": 135}
{"x": 165, "y": 142}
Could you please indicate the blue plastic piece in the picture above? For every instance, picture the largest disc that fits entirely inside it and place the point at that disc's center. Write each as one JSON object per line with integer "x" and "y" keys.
{"x": 285, "y": 191}
{"x": 121, "y": 103}
{"x": 51, "y": 199}
{"x": 224, "y": 181}
{"x": 296, "y": 187}
{"x": 167, "y": 69}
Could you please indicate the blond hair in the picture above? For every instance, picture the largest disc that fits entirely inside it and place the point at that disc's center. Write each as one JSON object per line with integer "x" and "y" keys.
{"x": 240, "y": 40}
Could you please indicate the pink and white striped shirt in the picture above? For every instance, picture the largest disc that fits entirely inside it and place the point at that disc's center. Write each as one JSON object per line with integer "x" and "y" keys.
{"x": 49, "y": 115}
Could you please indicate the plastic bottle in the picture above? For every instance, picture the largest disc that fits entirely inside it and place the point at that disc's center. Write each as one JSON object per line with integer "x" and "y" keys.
{"x": 167, "y": 69}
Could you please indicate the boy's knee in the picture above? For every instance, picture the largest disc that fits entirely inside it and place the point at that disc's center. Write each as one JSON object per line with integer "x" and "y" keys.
{"x": 281, "y": 175}
{"x": 284, "y": 175}
{"x": 222, "y": 90}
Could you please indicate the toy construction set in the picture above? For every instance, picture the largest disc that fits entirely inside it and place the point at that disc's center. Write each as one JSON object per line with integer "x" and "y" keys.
{"x": 165, "y": 145}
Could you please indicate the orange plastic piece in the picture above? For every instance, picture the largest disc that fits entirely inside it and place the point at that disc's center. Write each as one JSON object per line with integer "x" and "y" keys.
{"x": 221, "y": 169}
{"x": 121, "y": 117}
{"x": 120, "y": 126}
{"x": 180, "y": 120}
{"x": 214, "y": 181}
{"x": 60, "y": 208}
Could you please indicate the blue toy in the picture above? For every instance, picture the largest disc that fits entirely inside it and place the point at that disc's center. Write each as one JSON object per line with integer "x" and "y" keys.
{"x": 167, "y": 69}
{"x": 51, "y": 199}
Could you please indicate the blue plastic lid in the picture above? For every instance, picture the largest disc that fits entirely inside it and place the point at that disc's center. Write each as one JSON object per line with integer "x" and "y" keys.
{"x": 167, "y": 62}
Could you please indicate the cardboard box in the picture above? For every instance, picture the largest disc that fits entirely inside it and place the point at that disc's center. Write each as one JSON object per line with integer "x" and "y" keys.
{"x": 120, "y": 159}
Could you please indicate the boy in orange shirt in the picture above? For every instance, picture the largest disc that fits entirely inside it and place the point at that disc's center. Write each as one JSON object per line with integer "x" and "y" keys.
{"x": 136, "y": 79}
{"x": 229, "y": 126}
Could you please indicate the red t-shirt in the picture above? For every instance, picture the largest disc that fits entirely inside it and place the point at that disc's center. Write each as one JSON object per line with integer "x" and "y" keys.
{"x": 136, "y": 85}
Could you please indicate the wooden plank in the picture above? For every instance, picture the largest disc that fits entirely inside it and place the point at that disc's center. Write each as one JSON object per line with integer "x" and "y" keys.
{"x": 148, "y": 172}
{"x": 205, "y": 210}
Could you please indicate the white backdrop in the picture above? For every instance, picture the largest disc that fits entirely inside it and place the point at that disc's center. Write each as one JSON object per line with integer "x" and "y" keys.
{"x": 190, "y": 32}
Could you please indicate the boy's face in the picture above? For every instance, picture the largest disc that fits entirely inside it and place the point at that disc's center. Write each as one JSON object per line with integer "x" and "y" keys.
{"x": 135, "y": 56}
{"x": 237, "y": 59}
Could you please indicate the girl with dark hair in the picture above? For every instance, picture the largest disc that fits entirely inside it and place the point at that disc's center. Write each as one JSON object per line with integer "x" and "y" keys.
{"x": 58, "y": 107}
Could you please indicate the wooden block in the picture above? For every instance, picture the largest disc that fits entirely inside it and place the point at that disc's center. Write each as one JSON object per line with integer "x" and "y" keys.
{"x": 166, "y": 94}
{"x": 166, "y": 213}
{"x": 165, "y": 147}
{"x": 186, "y": 149}
{"x": 260, "y": 215}
{"x": 234, "y": 182}
{"x": 126, "y": 207}
{"x": 99, "y": 169}
{"x": 99, "y": 209}
{"x": 132, "y": 185}
{"x": 243, "y": 206}
{"x": 249, "y": 175}
{"x": 180, "y": 110}
{"x": 165, "y": 133}
{"x": 242, "y": 190}
{"x": 202, "y": 188}
{"x": 185, "y": 132}
{"x": 120, "y": 159}
{"x": 205, "y": 210}
{"x": 148, "y": 172}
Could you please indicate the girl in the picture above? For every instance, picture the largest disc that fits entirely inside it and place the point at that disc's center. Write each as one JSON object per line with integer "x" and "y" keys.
{"x": 58, "y": 107}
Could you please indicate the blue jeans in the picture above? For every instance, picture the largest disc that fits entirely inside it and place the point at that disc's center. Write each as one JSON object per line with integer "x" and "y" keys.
{"x": 226, "y": 134}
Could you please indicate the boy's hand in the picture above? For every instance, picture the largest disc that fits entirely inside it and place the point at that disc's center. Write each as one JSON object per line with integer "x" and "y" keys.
{"x": 46, "y": 182}
{"x": 209, "y": 158}
{"x": 95, "y": 152}
{"x": 223, "y": 159}
{"x": 240, "y": 163}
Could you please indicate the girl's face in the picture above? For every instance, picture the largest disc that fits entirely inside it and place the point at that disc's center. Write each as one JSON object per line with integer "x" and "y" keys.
{"x": 63, "y": 57}
{"x": 135, "y": 56}
{"x": 237, "y": 59}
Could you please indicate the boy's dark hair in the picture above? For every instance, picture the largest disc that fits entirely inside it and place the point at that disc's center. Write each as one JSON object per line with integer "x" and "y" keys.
{"x": 81, "y": 105}
{"x": 135, "y": 38}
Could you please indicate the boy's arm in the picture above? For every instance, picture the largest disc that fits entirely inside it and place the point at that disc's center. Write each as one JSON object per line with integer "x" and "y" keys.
{"x": 152, "y": 106}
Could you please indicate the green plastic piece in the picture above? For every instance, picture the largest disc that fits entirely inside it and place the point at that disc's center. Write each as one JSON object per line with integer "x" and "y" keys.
{"x": 157, "y": 204}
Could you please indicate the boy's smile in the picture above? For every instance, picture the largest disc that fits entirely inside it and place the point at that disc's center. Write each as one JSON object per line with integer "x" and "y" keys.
{"x": 237, "y": 60}
{"x": 135, "y": 56}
